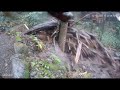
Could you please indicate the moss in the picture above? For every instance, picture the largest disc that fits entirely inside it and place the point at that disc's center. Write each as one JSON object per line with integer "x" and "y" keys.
{"x": 55, "y": 67}
{"x": 21, "y": 48}
{"x": 27, "y": 70}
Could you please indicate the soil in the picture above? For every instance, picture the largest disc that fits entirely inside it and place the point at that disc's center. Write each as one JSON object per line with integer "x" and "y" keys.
{"x": 6, "y": 51}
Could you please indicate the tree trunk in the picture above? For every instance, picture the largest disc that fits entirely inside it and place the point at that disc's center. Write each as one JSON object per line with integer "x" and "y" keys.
{"x": 62, "y": 35}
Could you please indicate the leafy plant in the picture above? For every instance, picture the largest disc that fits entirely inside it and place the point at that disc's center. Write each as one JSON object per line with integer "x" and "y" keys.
{"x": 18, "y": 37}
{"x": 43, "y": 67}
{"x": 87, "y": 75}
{"x": 46, "y": 68}
{"x": 39, "y": 44}
{"x": 56, "y": 60}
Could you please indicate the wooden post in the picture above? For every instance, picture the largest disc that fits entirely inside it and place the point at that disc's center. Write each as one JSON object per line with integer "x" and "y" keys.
{"x": 62, "y": 35}
{"x": 64, "y": 17}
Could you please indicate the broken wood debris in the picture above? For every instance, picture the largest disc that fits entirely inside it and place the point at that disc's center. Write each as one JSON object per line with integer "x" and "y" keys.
{"x": 78, "y": 53}
{"x": 79, "y": 43}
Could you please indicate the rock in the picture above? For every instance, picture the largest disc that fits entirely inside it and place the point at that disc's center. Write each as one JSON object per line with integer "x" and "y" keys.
{"x": 18, "y": 67}
{"x": 21, "y": 48}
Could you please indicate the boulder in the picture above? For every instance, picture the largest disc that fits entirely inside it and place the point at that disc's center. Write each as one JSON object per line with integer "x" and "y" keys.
{"x": 20, "y": 48}
{"x": 18, "y": 66}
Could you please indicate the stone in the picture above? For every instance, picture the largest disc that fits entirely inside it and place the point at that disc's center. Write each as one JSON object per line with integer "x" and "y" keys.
{"x": 20, "y": 48}
{"x": 18, "y": 66}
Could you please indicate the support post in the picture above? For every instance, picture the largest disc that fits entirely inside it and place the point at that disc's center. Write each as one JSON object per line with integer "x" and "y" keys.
{"x": 62, "y": 35}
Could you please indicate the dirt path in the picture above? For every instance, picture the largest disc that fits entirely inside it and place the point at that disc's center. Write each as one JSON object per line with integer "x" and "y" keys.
{"x": 6, "y": 51}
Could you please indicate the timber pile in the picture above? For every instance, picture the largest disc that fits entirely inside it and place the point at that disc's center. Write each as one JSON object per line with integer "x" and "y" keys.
{"x": 80, "y": 45}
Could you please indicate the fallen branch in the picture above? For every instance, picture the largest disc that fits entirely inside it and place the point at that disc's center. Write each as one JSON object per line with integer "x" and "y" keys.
{"x": 116, "y": 58}
{"x": 49, "y": 25}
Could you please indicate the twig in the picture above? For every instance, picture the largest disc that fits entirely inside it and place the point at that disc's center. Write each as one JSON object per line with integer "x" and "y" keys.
{"x": 77, "y": 37}
{"x": 54, "y": 40}
{"x": 85, "y": 45}
{"x": 69, "y": 45}
{"x": 78, "y": 53}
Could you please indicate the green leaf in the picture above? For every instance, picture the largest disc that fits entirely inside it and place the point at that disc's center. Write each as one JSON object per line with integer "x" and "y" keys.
{"x": 18, "y": 38}
{"x": 18, "y": 33}
{"x": 35, "y": 39}
{"x": 33, "y": 64}
{"x": 39, "y": 45}
{"x": 56, "y": 59}
{"x": 27, "y": 70}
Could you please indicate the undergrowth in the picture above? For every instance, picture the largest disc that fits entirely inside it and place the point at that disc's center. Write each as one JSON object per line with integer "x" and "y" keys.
{"x": 48, "y": 69}
{"x": 107, "y": 37}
